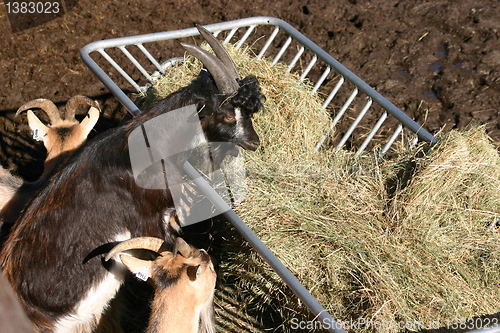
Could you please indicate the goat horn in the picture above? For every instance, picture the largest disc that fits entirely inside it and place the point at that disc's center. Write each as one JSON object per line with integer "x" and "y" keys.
{"x": 180, "y": 246}
{"x": 220, "y": 51}
{"x": 46, "y": 105}
{"x": 76, "y": 101}
{"x": 225, "y": 83}
{"x": 146, "y": 243}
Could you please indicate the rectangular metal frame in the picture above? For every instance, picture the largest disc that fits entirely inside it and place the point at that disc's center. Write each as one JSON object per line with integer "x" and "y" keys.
{"x": 332, "y": 67}
{"x": 292, "y": 35}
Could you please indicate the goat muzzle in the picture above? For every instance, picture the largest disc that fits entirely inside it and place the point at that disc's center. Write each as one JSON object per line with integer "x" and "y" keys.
{"x": 251, "y": 145}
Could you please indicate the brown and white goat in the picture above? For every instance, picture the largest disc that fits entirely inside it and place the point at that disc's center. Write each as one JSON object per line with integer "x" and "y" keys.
{"x": 94, "y": 199}
{"x": 60, "y": 138}
{"x": 183, "y": 280}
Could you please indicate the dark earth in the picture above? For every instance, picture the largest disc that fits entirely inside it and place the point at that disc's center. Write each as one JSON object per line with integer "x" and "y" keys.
{"x": 438, "y": 61}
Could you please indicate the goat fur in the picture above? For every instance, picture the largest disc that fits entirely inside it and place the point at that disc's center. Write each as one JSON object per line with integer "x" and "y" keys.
{"x": 94, "y": 199}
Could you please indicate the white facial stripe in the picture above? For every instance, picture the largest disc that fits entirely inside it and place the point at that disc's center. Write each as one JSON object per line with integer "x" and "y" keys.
{"x": 239, "y": 133}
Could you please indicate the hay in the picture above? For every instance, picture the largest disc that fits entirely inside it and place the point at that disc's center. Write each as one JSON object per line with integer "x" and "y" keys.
{"x": 421, "y": 256}
{"x": 293, "y": 120}
{"x": 412, "y": 241}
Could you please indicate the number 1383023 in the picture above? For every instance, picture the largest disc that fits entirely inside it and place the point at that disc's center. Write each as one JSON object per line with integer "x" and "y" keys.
{"x": 38, "y": 7}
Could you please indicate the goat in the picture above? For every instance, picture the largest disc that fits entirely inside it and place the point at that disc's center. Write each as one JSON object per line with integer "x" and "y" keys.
{"x": 61, "y": 138}
{"x": 95, "y": 199}
{"x": 183, "y": 280}
{"x": 9, "y": 184}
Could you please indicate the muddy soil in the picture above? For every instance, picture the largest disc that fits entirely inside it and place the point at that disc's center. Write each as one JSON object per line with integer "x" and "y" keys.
{"x": 439, "y": 61}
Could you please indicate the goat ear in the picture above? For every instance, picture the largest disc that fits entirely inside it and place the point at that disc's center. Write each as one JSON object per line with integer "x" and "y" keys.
{"x": 141, "y": 268}
{"x": 182, "y": 247}
{"x": 89, "y": 121}
{"x": 193, "y": 272}
{"x": 37, "y": 127}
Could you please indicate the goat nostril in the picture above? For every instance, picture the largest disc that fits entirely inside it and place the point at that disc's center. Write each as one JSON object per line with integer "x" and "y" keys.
{"x": 253, "y": 145}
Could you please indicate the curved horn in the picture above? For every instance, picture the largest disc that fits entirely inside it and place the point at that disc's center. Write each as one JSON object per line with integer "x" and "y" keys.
{"x": 77, "y": 100}
{"x": 146, "y": 243}
{"x": 46, "y": 105}
{"x": 220, "y": 51}
{"x": 180, "y": 246}
{"x": 225, "y": 83}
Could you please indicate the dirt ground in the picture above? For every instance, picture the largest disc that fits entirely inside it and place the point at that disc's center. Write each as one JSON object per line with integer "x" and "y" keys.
{"x": 439, "y": 61}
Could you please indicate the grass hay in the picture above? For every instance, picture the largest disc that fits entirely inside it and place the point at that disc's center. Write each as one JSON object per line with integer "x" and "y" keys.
{"x": 413, "y": 241}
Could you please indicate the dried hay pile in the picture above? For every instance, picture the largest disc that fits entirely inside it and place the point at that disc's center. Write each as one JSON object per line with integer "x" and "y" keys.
{"x": 413, "y": 241}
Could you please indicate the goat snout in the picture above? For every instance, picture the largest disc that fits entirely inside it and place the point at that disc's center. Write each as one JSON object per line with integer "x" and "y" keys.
{"x": 251, "y": 142}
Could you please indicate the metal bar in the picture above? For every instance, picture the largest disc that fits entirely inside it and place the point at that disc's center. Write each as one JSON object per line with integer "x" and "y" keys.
{"x": 363, "y": 86}
{"x": 337, "y": 118}
{"x": 372, "y": 133}
{"x": 325, "y": 105}
{"x": 391, "y": 140}
{"x": 245, "y": 36}
{"x": 171, "y": 62}
{"x": 333, "y": 92}
{"x": 308, "y": 68}
{"x": 321, "y": 80}
{"x": 354, "y": 124}
{"x": 344, "y": 108}
{"x": 291, "y": 31}
{"x": 106, "y": 80}
{"x": 136, "y": 63}
{"x": 296, "y": 58}
{"x": 268, "y": 43}
{"x": 150, "y": 57}
{"x": 230, "y": 35}
{"x": 280, "y": 53}
{"x": 119, "y": 69}
{"x": 316, "y": 308}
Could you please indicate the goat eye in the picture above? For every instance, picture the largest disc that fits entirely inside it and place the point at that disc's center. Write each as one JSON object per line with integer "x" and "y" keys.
{"x": 229, "y": 118}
